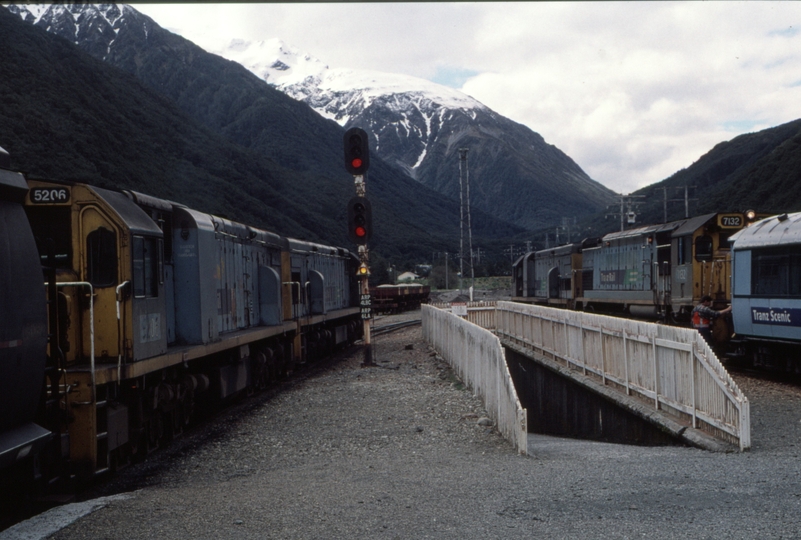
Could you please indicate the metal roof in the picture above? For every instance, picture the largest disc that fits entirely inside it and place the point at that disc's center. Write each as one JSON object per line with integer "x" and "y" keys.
{"x": 679, "y": 227}
{"x": 640, "y": 231}
{"x": 565, "y": 249}
{"x": 783, "y": 230}
{"x": 134, "y": 217}
{"x": 693, "y": 224}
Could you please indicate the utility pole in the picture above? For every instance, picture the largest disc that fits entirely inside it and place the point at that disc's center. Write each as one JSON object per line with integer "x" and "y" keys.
{"x": 446, "y": 270}
{"x": 567, "y": 228}
{"x": 686, "y": 200}
{"x": 464, "y": 214}
{"x": 687, "y": 203}
{"x": 627, "y": 209}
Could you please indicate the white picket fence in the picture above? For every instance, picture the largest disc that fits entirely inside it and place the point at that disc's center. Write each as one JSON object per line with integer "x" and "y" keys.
{"x": 672, "y": 368}
{"x": 478, "y": 358}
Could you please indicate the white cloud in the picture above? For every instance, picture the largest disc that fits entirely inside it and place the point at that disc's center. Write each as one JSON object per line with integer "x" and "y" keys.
{"x": 632, "y": 91}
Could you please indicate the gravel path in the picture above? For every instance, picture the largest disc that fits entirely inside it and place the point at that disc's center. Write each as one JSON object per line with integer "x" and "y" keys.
{"x": 397, "y": 452}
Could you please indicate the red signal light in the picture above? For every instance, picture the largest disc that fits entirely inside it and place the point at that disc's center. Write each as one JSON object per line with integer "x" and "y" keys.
{"x": 357, "y": 151}
{"x": 359, "y": 220}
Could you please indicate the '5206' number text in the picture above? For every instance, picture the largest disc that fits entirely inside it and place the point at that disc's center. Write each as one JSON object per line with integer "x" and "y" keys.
{"x": 49, "y": 195}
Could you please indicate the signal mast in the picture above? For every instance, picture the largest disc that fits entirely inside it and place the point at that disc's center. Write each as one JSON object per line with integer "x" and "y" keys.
{"x": 360, "y": 223}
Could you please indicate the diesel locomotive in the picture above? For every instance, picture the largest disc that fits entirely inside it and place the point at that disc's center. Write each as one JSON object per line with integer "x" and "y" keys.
{"x": 657, "y": 271}
{"x": 122, "y": 313}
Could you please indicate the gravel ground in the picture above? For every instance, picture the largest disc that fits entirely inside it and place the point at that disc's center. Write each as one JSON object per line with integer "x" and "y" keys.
{"x": 397, "y": 451}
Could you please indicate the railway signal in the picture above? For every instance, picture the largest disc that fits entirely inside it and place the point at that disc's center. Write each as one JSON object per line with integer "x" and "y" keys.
{"x": 360, "y": 220}
{"x": 357, "y": 153}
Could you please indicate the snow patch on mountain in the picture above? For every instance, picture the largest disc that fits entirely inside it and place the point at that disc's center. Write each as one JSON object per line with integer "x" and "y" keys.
{"x": 78, "y": 17}
{"x": 39, "y": 12}
{"x": 339, "y": 93}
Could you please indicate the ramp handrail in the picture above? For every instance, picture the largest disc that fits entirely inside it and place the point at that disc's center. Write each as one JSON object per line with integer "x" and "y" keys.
{"x": 673, "y": 368}
{"x": 478, "y": 358}
{"x": 481, "y": 313}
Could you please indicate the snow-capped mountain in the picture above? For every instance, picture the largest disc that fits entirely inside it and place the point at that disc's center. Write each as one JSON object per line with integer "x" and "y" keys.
{"x": 420, "y": 125}
{"x": 416, "y": 124}
{"x": 95, "y": 26}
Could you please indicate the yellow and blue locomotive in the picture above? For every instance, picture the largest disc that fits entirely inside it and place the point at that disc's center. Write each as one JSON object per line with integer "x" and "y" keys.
{"x": 151, "y": 308}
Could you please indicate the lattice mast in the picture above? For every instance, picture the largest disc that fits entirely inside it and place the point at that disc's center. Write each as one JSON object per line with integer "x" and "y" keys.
{"x": 464, "y": 215}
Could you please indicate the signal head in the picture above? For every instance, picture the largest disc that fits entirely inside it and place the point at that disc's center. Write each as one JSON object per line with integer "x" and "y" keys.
{"x": 357, "y": 151}
{"x": 360, "y": 220}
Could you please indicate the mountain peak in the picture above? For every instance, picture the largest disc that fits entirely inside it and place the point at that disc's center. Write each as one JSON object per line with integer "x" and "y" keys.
{"x": 419, "y": 126}
{"x": 273, "y": 60}
{"x": 306, "y": 78}
{"x": 44, "y": 14}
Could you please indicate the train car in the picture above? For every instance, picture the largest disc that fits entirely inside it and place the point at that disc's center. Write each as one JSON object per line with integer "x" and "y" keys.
{"x": 157, "y": 308}
{"x": 624, "y": 272}
{"x": 398, "y": 298}
{"x": 23, "y": 330}
{"x": 766, "y": 292}
{"x": 655, "y": 271}
{"x": 551, "y": 276}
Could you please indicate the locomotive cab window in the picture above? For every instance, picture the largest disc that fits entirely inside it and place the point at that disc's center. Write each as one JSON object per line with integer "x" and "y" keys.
{"x": 146, "y": 267}
{"x": 703, "y": 248}
{"x": 101, "y": 258}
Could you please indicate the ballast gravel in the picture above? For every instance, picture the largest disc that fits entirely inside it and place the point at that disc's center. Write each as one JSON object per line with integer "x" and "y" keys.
{"x": 400, "y": 451}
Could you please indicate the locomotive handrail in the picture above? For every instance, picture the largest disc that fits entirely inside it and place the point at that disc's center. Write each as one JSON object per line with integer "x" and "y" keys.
{"x": 295, "y": 313}
{"x": 118, "y": 292}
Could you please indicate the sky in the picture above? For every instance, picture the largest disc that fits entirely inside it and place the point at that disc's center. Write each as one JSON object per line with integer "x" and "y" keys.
{"x": 631, "y": 91}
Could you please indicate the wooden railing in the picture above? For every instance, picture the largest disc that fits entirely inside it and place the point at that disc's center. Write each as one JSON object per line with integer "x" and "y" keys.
{"x": 672, "y": 368}
{"x": 478, "y": 358}
{"x": 480, "y": 313}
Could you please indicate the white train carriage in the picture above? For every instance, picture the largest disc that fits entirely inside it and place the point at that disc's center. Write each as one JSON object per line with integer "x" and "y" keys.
{"x": 766, "y": 290}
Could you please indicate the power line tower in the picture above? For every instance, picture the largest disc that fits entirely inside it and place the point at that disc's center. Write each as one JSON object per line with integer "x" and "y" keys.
{"x": 464, "y": 214}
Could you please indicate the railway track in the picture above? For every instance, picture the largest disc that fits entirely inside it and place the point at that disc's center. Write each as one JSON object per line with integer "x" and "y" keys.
{"x": 392, "y": 327}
